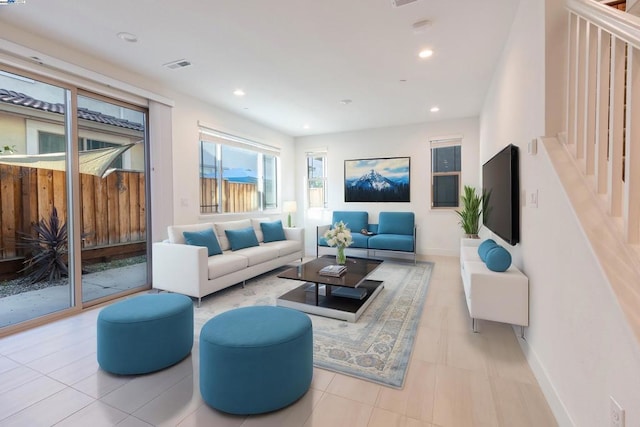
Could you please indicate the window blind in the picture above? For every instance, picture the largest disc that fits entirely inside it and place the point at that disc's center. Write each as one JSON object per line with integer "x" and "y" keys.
{"x": 214, "y": 135}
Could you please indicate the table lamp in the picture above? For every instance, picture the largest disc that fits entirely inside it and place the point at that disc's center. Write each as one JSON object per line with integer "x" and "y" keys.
{"x": 290, "y": 206}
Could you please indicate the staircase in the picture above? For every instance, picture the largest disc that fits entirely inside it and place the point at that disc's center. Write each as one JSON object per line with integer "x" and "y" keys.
{"x": 599, "y": 158}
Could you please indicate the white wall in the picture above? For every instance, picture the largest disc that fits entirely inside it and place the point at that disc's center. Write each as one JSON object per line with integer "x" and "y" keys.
{"x": 513, "y": 111}
{"x": 174, "y": 157}
{"x": 438, "y": 230}
{"x": 187, "y": 112}
{"x": 578, "y": 343}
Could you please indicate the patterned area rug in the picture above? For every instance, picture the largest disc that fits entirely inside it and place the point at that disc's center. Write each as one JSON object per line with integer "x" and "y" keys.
{"x": 376, "y": 348}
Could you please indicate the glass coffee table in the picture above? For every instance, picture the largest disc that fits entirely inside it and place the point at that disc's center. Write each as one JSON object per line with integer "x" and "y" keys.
{"x": 345, "y": 297}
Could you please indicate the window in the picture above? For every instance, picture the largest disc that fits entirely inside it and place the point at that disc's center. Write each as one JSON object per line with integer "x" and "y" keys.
{"x": 270, "y": 194}
{"x": 446, "y": 166}
{"x": 317, "y": 180}
{"x": 209, "y": 194}
{"x": 51, "y": 143}
{"x": 236, "y": 175}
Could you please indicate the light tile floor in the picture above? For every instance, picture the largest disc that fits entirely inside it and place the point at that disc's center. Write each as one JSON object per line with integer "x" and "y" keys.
{"x": 49, "y": 376}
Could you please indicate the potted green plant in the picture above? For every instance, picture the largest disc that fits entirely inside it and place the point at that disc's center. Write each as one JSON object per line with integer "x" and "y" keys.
{"x": 472, "y": 204}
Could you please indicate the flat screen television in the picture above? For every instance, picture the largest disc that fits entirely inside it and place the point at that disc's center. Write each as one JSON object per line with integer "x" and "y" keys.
{"x": 501, "y": 186}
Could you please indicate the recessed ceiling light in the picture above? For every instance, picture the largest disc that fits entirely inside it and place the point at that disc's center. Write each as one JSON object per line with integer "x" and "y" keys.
{"x": 434, "y": 109}
{"x": 425, "y": 53}
{"x": 345, "y": 101}
{"x": 305, "y": 126}
{"x": 238, "y": 92}
{"x": 128, "y": 37}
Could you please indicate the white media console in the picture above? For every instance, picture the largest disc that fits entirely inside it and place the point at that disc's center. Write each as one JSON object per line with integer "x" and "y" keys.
{"x": 501, "y": 297}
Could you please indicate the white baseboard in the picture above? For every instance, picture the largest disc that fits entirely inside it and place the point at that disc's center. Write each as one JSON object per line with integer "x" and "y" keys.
{"x": 555, "y": 403}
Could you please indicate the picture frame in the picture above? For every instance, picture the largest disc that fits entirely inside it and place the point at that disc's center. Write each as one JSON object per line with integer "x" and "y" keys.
{"x": 383, "y": 179}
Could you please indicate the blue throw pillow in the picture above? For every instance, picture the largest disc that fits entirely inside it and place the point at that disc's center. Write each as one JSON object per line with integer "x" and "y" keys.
{"x": 485, "y": 247}
{"x": 242, "y": 238}
{"x": 273, "y": 231}
{"x": 498, "y": 259}
{"x": 206, "y": 238}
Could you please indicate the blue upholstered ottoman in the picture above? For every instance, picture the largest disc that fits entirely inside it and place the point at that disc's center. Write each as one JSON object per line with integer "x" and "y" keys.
{"x": 145, "y": 333}
{"x": 255, "y": 359}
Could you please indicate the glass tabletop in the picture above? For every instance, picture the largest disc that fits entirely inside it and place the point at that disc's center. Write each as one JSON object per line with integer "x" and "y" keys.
{"x": 357, "y": 270}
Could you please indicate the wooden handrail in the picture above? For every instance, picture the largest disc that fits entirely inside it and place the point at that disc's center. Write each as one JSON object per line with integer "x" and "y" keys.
{"x": 622, "y": 25}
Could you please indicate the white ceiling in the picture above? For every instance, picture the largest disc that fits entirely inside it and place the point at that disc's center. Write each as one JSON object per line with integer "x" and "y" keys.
{"x": 295, "y": 59}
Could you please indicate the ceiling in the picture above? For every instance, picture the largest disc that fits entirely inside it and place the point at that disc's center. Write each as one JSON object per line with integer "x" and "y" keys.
{"x": 295, "y": 59}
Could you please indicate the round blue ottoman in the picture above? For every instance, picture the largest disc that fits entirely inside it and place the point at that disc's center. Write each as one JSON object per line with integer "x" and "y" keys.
{"x": 255, "y": 359}
{"x": 145, "y": 333}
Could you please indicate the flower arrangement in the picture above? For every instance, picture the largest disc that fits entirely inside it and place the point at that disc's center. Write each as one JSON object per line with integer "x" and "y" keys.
{"x": 339, "y": 236}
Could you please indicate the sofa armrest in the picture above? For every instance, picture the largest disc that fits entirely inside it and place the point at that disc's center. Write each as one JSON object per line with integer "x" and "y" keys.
{"x": 320, "y": 230}
{"x": 297, "y": 234}
{"x": 179, "y": 268}
{"x": 415, "y": 239}
{"x": 293, "y": 233}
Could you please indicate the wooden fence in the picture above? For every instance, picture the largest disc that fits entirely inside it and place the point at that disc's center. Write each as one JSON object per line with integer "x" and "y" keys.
{"x": 112, "y": 208}
{"x": 236, "y": 197}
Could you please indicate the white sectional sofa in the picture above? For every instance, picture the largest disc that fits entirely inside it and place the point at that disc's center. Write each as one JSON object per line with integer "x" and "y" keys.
{"x": 185, "y": 269}
{"x": 501, "y": 297}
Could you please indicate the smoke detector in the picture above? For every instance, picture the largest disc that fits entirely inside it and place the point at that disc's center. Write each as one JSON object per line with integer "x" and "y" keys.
{"x": 180, "y": 63}
{"x": 398, "y": 3}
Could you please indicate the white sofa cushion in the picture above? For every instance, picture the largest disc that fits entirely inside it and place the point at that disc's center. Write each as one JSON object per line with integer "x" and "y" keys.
{"x": 175, "y": 231}
{"x": 285, "y": 247}
{"x": 220, "y": 265}
{"x": 219, "y": 227}
{"x": 258, "y": 254}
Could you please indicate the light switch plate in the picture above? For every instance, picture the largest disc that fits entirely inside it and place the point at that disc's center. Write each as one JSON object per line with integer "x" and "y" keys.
{"x": 532, "y": 198}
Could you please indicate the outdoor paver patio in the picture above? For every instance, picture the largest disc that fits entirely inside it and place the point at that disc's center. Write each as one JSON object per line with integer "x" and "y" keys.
{"x": 32, "y": 304}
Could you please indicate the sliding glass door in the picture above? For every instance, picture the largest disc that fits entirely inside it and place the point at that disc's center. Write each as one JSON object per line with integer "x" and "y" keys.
{"x": 113, "y": 186}
{"x": 73, "y": 198}
{"x": 34, "y": 274}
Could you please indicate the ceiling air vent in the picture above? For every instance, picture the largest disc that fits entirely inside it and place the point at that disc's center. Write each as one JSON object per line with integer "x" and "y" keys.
{"x": 181, "y": 63}
{"x": 398, "y": 3}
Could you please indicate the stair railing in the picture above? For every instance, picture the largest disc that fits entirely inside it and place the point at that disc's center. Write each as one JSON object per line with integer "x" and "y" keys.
{"x": 603, "y": 113}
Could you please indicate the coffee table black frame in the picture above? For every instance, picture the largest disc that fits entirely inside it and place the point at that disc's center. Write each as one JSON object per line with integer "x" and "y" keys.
{"x": 309, "y": 298}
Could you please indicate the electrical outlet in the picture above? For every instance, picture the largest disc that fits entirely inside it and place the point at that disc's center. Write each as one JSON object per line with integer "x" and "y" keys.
{"x": 616, "y": 413}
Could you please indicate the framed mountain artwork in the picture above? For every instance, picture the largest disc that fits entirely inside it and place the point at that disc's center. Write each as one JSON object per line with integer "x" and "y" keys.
{"x": 377, "y": 180}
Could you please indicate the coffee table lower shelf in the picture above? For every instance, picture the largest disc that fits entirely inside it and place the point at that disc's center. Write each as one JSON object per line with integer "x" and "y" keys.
{"x": 303, "y": 298}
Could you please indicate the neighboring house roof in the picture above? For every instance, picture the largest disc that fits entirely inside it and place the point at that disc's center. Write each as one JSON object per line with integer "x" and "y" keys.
{"x": 23, "y": 100}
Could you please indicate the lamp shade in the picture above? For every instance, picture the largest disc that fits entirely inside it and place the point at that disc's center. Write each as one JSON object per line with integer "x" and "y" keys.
{"x": 290, "y": 206}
